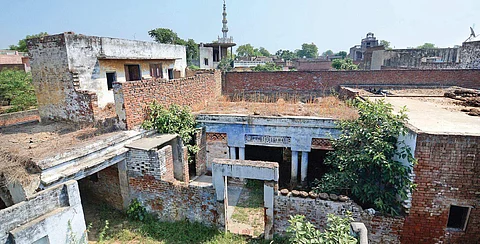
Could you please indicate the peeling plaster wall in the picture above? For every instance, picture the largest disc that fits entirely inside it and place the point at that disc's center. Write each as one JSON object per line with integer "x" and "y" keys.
{"x": 470, "y": 55}
{"x": 47, "y": 213}
{"x": 90, "y": 57}
{"x": 54, "y": 85}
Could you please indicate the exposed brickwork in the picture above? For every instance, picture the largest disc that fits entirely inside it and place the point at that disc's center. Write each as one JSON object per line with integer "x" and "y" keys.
{"x": 133, "y": 97}
{"x": 185, "y": 167}
{"x": 155, "y": 163}
{"x": 178, "y": 201}
{"x": 321, "y": 143}
{"x": 216, "y": 147}
{"x": 168, "y": 174}
{"x": 448, "y": 172}
{"x": 104, "y": 186}
{"x": 321, "y": 82}
{"x": 380, "y": 229}
{"x": 19, "y": 117}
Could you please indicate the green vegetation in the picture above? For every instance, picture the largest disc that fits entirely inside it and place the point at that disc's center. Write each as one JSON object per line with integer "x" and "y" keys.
{"x": 174, "y": 120}
{"x": 337, "y": 231}
{"x": 343, "y": 54}
{"x": 286, "y": 54}
{"x": 385, "y": 44}
{"x": 225, "y": 65}
{"x": 427, "y": 45}
{"x": 193, "y": 67}
{"x": 267, "y": 67}
{"x": 327, "y": 53}
{"x": 308, "y": 51}
{"x": 121, "y": 229}
{"x": 247, "y": 50}
{"x": 22, "y": 44}
{"x": 17, "y": 90}
{"x": 168, "y": 36}
{"x": 344, "y": 64}
{"x": 365, "y": 161}
{"x": 249, "y": 209}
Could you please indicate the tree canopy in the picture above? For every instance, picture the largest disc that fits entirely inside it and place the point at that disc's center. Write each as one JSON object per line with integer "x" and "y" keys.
{"x": 343, "y": 54}
{"x": 264, "y": 52}
{"x": 168, "y": 36}
{"x": 344, "y": 64}
{"x": 17, "y": 89}
{"x": 385, "y": 44}
{"x": 427, "y": 45}
{"x": 245, "y": 50}
{"x": 286, "y": 54}
{"x": 327, "y": 53}
{"x": 308, "y": 51}
{"x": 369, "y": 162}
{"x": 22, "y": 44}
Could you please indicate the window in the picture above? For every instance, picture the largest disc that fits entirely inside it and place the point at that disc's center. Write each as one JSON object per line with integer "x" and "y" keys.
{"x": 170, "y": 74}
{"x": 156, "y": 71}
{"x": 205, "y": 61}
{"x": 111, "y": 77}
{"x": 132, "y": 72}
{"x": 458, "y": 217}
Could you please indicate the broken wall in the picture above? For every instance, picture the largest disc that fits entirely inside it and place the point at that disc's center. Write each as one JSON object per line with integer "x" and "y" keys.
{"x": 470, "y": 55}
{"x": 133, "y": 97}
{"x": 19, "y": 117}
{"x": 414, "y": 58}
{"x": 381, "y": 229}
{"x": 50, "y": 215}
{"x": 447, "y": 174}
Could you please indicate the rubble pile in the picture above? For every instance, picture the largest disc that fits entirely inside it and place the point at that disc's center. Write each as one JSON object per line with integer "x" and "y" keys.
{"x": 467, "y": 98}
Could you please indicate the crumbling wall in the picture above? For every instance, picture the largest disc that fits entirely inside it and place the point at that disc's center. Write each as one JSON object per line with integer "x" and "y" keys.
{"x": 51, "y": 215}
{"x": 19, "y": 117}
{"x": 447, "y": 174}
{"x": 133, "y": 97}
{"x": 201, "y": 155}
{"x": 216, "y": 147}
{"x": 470, "y": 55}
{"x": 57, "y": 97}
{"x": 103, "y": 186}
{"x": 413, "y": 58}
{"x": 381, "y": 229}
{"x": 321, "y": 82}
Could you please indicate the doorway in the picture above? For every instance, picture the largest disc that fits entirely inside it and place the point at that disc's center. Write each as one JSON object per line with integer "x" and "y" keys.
{"x": 280, "y": 155}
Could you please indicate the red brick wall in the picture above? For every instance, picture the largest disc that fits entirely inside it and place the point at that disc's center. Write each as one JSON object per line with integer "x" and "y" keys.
{"x": 106, "y": 188}
{"x": 19, "y": 117}
{"x": 448, "y": 172}
{"x": 322, "y": 81}
{"x": 134, "y": 96}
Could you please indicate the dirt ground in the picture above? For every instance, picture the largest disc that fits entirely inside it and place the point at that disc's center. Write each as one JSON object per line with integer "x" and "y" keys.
{"x": 39, "y": 141}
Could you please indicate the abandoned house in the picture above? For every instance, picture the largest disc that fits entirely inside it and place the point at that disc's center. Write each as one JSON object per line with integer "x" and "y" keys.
{"x": 51, "y": 169}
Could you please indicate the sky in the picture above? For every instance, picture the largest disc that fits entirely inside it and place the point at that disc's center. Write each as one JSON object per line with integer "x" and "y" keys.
{"x": 273, "y": 24}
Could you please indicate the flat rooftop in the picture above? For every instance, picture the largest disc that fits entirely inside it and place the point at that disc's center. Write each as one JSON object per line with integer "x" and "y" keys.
{"x": 430, "y": 111}
{"x": 324, "y": 107}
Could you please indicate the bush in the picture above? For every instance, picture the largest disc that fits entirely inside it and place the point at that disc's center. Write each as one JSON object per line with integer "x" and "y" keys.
{"x": 174, "y": 120}
{"x": 366, "y": 159}
{"x": 337, "y": 231}
{"x": 16, "y": 87}
{"x": 136, "y": 211}
{"x": 267, "y": 67}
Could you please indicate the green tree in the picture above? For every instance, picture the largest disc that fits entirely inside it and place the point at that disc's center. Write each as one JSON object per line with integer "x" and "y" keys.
{"x": 301, "y": 231}
{"x": 264, "y": 52}
{"x": 344, "y": 64}
{"x": 367, "y": 158}
{"x": 245, "y": 50}
{"x": 308, "y": 51}
{"x": 225, "y": 65}
{"x": 327, "y": 53}
{"x": 427, "y": 45}
{"x": 168, "y": 36}
{"x": 164, "y": 35}
{"x": 267, "y": 67}
{"x": 22, "y": 44}
{"x": 286, "y": 54}
{"x": 342, "y": 53}
{"x": 385, "y": 44}
{"x": 16, "y": 87}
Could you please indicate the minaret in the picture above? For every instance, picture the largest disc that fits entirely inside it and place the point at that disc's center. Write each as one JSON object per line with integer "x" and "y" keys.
{"x": 224, "y": 21}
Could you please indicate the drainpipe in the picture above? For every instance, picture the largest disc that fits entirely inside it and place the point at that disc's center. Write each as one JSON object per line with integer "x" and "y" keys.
{"x": 359, "y": 229}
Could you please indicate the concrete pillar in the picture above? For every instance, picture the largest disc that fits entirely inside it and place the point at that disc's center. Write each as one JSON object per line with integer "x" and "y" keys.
{"x": 124, "y": 185}
{"x": 304, "y": 167}
{"x": 233, "y": 153}
{"x": 294, "y": 171}
{"x": 241, "y": 153}
{"x": 268, "y": 198}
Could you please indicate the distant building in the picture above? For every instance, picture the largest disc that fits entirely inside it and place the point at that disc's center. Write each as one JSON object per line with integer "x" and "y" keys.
{"x": 357, "y": 51}
{"x": 212, "y": 53}
{"x": 10, "y": 59}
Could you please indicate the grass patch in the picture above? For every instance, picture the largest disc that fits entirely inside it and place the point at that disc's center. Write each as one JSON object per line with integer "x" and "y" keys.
{"x": 249, "y": 209}
{"x": 123, "y": 230}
